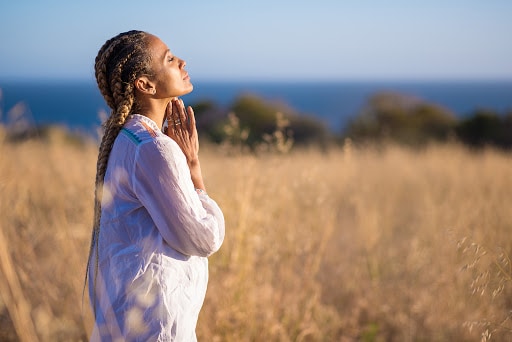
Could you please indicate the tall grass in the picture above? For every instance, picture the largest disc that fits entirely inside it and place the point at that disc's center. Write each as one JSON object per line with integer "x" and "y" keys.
{"x": 348, "y": 244}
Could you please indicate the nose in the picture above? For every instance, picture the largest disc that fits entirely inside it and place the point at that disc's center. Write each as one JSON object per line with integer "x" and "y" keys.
{"x": 182, "y": 63}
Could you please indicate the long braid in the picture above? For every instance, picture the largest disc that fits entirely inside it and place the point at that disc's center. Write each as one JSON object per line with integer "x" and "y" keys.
{"x": 119, "y": 62}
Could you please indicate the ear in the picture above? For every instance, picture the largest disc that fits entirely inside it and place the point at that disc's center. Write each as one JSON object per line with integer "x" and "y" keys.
{"x": 145, "y": 86}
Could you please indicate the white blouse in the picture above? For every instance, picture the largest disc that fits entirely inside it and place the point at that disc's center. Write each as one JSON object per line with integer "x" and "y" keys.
{"x": 156, "y": 233}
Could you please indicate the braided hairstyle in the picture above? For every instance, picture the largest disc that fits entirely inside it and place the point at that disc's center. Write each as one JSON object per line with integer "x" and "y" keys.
{"x": 120, "y": 61}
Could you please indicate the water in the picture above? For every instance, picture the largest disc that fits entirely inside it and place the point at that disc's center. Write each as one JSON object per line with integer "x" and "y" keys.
{"x": 76, "y": 104}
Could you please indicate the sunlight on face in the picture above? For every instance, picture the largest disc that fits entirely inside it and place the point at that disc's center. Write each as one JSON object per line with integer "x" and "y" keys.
{"x": 169, "y": 74}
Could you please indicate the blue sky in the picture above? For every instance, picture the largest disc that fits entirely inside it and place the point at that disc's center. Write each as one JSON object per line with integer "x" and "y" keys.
{"x": 268, "y": 40}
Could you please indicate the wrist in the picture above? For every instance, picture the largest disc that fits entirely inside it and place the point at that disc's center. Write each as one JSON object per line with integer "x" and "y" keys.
{"x": 193, "y": 162}
{"x": 196, "y": 174}
{"x": 201, "y": 191}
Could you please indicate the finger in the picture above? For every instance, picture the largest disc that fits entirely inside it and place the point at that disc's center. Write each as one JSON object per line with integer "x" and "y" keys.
{"x": 175, "y": 110}
{"x": 175, "y": 117}
{"x": 179, "y": 115}
{"x": 172, "y": 119}
{"x": 168, "y": 111}
{"x": 177, "y": 121}
{"x": 192, "y": 119}
{"x": 183, "y": 113}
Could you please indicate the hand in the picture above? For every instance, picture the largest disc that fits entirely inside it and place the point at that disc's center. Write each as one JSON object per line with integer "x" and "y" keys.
{"x": 182, "y": 129}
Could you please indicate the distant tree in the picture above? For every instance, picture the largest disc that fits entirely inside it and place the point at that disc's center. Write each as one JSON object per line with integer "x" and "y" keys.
{"x": 256, "y": 115}
{"x": 308, "y": 130}
{"x": 486, "y": 127}
{"x": 401, "y": 118}
{"x": 209, "y": 119}
{"x": 259, "y": 118}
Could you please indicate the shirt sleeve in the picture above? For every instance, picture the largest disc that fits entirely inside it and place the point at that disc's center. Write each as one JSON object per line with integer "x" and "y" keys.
{"x": 190, "y": 223}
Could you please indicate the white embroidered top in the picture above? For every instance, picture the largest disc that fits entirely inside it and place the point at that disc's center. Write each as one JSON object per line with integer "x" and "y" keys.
{"x": 156, "y": 233}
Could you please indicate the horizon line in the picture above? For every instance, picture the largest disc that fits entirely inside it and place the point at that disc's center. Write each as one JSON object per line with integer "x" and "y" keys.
{"x": 4, "y": 80}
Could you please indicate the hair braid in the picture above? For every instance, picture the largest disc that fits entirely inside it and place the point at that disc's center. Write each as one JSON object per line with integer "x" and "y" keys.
{"x": 101, "y": 69}
{"x": 119, "y": 62}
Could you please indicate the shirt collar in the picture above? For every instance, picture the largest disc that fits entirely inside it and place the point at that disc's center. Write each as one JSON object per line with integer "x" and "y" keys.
{"x": 140, "y": 117}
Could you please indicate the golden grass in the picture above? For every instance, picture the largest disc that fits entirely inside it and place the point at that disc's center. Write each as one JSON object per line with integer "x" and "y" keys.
{"x": 354, "y": 244}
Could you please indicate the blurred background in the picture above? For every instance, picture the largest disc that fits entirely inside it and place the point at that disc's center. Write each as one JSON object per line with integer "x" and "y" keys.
{"x": 323, "y": 61}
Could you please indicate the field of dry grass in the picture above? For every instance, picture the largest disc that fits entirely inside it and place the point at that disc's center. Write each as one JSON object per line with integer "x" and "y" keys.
{"x": 352, "y": 244}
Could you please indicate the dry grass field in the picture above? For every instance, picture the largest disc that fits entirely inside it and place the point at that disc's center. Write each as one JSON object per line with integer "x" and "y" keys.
{"x": 347, "y": 244}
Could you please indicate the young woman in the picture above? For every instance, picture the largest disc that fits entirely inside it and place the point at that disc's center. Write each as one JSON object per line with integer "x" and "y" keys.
{"x": 154, "y": 224}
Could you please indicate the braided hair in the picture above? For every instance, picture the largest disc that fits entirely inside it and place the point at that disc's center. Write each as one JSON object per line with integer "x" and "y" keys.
{"x": 120, "y": 61}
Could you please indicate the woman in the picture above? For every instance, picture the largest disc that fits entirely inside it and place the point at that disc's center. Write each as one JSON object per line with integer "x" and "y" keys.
{"x": 154, "y": 224}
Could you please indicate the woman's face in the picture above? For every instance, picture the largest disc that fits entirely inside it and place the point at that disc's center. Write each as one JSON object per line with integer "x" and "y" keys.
{"x": 170, "y": 77}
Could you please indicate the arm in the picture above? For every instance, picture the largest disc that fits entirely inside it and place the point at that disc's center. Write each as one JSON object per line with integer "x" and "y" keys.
{"x": 191, "y": 223}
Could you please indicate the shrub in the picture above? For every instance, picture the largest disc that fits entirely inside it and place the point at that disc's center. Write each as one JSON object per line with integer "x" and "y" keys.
{"x": 401, "y": 118}
{"x": 259, "y": 118}
{"x": 486, "y": 127}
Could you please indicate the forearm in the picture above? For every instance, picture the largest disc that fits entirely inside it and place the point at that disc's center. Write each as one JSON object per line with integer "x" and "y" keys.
{"x": 196, "y": 174}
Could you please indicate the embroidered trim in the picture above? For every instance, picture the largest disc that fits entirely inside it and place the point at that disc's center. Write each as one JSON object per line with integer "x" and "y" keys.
{"x": 131, "y": 135}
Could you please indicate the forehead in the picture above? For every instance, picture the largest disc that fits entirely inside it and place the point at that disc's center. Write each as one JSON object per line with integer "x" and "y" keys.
{"x": 157, "y": 47}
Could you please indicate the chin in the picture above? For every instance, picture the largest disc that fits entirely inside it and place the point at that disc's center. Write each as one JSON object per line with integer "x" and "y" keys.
{"x": 188, "y": 89}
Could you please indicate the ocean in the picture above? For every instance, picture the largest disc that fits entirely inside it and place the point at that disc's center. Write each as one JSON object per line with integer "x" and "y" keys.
{"x": 76, "y": 104}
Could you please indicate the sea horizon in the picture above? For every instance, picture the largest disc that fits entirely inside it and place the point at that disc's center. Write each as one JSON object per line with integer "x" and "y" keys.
{"x": 76, "y": 103}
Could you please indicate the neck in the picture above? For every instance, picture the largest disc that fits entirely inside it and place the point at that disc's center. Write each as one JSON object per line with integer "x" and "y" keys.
{"x": 155, "y": 110}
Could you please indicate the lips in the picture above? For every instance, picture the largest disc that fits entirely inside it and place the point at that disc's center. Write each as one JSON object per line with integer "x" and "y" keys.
{"x": 186, "y": 77}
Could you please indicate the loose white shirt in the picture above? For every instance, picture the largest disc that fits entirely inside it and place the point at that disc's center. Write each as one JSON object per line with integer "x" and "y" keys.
{"x": 156, "y": 233}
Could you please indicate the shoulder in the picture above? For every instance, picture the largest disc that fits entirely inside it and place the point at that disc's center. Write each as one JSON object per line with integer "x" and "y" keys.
{"x": 140, "y": 129}
{"x": 149, "y": 139}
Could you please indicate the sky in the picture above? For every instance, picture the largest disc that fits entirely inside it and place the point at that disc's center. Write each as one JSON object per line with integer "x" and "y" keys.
{"x": 229, "y": 40}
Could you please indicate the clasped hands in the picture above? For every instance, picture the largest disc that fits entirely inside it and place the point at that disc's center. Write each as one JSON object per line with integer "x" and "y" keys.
{"x": 181, "y": 127}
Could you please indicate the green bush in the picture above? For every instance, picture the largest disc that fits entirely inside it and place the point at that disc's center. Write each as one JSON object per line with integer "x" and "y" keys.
{"x": 210, "y": 118}
{"x": 255, "y": 115}
{"x": 486, "y": 127}
{"x": 401, "y": 118}
{"x": 258, "y": 119}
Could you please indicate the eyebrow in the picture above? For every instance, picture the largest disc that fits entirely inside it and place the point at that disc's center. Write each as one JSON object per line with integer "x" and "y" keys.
{"x": 166, "y": 52}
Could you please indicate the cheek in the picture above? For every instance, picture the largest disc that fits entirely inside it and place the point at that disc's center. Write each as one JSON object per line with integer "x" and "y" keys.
{"x": 173, "y": 77}
{"x": 176, "y": 75}
{"x": 166, "y": 80}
